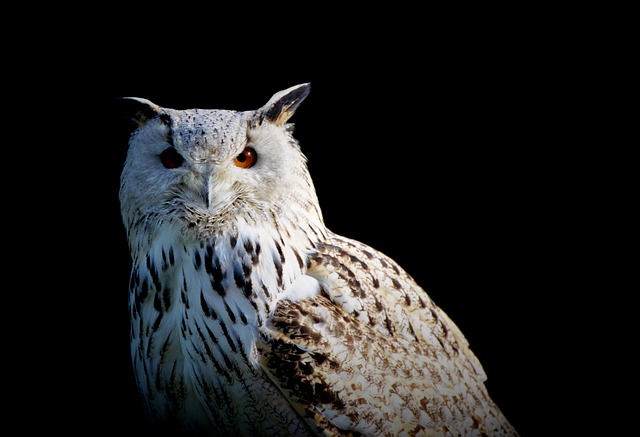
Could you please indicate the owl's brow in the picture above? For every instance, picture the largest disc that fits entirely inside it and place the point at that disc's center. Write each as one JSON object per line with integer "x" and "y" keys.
{"x": 243, "y": 143}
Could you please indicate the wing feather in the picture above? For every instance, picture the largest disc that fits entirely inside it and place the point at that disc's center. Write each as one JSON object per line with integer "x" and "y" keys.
{"x": 372, "y": 353}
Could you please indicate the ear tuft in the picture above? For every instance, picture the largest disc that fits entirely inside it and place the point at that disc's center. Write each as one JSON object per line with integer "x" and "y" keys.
{"x": 138, "y": 110}
{"x": 283, "y": 104}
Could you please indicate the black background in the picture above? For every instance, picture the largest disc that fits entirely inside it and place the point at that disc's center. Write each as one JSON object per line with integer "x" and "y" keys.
{"x": 430, "y": 168}
{"x": 447, "y": 147}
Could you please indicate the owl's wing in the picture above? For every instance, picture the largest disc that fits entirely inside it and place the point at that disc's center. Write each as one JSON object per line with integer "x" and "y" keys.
{"x": 371, "y": 353}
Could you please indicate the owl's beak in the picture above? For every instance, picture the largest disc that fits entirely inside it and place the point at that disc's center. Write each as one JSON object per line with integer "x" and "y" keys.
{"x": 207, "y": 191}
{"x": 213, "y": 191}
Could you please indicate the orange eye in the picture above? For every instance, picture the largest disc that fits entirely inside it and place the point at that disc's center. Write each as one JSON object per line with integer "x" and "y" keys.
{"x": 247, "y": 158}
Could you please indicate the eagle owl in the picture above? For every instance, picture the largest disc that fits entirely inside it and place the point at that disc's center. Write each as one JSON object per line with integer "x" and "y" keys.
{"x": 250, "y": 318}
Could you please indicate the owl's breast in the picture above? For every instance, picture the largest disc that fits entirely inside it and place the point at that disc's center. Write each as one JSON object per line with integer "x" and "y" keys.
{"x": 197, "y": 311}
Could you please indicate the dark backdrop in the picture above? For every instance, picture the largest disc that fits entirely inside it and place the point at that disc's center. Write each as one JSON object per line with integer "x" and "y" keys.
{"x": 436, "y": 149}
{"x": 431, "y": 166}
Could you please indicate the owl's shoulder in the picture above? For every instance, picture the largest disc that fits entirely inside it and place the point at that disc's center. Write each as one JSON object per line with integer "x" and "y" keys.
{"x": 374, "y": 289}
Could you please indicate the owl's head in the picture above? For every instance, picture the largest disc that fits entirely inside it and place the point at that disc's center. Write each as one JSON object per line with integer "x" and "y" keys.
{"x": 200, "y": 170}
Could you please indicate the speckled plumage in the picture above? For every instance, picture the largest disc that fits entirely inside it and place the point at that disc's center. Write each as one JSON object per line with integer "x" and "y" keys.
{"x": 250, "y": 317}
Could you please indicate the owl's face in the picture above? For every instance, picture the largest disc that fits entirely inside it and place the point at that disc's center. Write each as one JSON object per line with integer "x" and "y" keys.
{"x": 201, "y": 168}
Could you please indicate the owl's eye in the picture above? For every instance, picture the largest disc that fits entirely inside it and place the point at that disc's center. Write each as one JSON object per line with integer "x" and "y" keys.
{"x": 247, "y": 158}
{"x": 170, "y": 158}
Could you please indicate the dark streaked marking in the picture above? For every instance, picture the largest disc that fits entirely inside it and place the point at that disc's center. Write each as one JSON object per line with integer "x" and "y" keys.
{"x": 219, "y": 369}
{"x": 350, "y": 278}
{"x": 299, "y": 259}
{"x": 379, "y": 306}
{"x": 156, "y": 323}
{"x": 396, "y": 284}
{"x": 232, "y": 315}
{"x": 156, "y": 281}
{"x": 246, "y": 270}
{"x": 347, "y": 269}
{"x": 266, "y": 291}
{"x": 248, "y": 288}
{"x": 372, "y": 321}
{"x": 164, "y": 349}
{"x": 278, "y": 265}
{"x": 324, "y": 293}
{"x": 213, "y": 337}
{"x": 227, "y": 363}
{"x": 172, "y": 259}
{"x": 413, "y": 332}
{"x": 445, "y": 330}
{"x": 244, "y": 356}
{"x": 368, "y": 254}
{"x": 228, "y": 337}
{"x": 212, "y": 266}
{"x": 356, "y": 260}
{"x": 166, "y": 297}
{"x": 243, "y": 318}
{"x": 209, "y": 260}
{"x": 252, "y": 251}
{"x": 241, "y": 276}
{"x": 183, "y": 292}
{"x": 422, "y": 303}
{"x": 279, "y": 249}
{"x": 205, "y": 343}
{"x": 444, "y": 348}
{"x": 287, "y": 234}
{"x": 388, "y": 324}
{"x": 144, "y": 289}
{"x": 233, "y": 240}
{"x": 157, "y": 303}
{"x": 149, "y": 345}
{"x": 197, "y": 260}
{"x": 154, "y": 274}
{"x": 206, "y": 309}
{"x": 254, "y": 304}
{"x": 143, "y": 293}
{"x": 211, "y": 357}
{"x": 165, "y": 264}
{"x": 218, "y": 287}
{"x": 311, "y": 242}
{"x": 434, "y": 314}
{"x": 376, "y": 283}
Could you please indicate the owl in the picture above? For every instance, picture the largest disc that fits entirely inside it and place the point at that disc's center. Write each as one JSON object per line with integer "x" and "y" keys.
{"x": 249, "y": 317}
